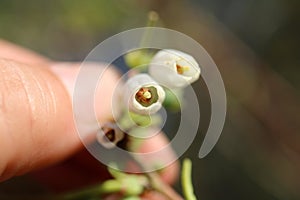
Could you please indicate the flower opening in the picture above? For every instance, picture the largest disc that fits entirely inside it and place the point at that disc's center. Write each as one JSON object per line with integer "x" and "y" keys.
{"x": 143, "y": 95}
{"x": 109, "y": 135}
{"x": 146, "y": 96}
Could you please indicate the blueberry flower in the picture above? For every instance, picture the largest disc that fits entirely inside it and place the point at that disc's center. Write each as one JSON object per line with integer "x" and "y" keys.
{"x": 143, "y": 95}
{"x": 173, "y": 68}
{"x": 109, "y": 135}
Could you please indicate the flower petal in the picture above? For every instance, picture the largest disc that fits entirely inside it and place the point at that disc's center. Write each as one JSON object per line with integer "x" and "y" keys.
{"x": 173, "y": 68}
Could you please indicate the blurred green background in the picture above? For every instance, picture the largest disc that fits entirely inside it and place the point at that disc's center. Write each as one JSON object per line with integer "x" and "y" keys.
{"x": 255, "y": 44}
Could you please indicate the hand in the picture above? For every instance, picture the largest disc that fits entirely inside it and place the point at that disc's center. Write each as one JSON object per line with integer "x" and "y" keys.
{"x": 36, "y": 121}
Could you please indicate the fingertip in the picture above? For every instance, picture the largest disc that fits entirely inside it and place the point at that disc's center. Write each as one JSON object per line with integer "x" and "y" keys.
{"x": 38, "y": 117}
{"x": 35, "y": 119}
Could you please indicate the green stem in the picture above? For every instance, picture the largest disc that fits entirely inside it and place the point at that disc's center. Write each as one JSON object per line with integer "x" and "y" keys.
{"x": 162, "y": 187}
{"x": 157, "y": 184}
{"x": 109, "y": 186}
{"x": 186, "y": 178}
{"x": 153, "y": 17}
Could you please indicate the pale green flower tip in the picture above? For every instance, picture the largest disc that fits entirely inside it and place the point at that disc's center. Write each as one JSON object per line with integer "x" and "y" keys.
{"x": 132, "y": 185}
{"x": 110, "y": 186}
{"x": 138, "y": 58}
{"x": 140, "y": 120}
{"x": 128, "y": 184}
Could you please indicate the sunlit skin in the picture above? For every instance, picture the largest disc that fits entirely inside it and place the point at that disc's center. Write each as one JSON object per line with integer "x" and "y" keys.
{"x": 46, "y": 85}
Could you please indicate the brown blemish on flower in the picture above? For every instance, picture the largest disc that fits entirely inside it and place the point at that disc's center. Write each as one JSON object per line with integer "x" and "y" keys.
{"x": 181, "y": 69}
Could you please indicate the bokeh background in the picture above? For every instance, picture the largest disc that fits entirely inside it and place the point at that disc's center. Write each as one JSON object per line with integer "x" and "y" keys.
{"x": 255, "y": 44}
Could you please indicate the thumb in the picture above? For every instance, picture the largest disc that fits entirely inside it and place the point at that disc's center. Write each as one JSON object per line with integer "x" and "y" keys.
{"x": 36, "y": 118}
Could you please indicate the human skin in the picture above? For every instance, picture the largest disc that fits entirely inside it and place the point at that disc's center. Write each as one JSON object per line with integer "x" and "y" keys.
{"x": 37, "y": 130}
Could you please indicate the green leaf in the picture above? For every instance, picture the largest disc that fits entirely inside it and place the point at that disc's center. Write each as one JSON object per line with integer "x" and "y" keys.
{"x": 186, "y": 180}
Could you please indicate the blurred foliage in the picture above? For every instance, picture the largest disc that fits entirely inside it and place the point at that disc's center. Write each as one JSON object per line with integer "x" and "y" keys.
{"x": 270, "y": 27}
{"x": 254, "y": 158}
{"x": 66, "y": 29}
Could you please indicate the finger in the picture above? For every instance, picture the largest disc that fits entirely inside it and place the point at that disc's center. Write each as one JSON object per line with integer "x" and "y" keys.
{"x": 83, "y": 169}
{"x": 36, "y": 119}
{"x": 75, "y": 173}
{"x": 108, "y": 78}
{"x": 153, "y": 144}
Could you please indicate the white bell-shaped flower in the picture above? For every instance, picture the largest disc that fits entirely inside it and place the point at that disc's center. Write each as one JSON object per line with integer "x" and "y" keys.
{"x": 109, "y": 135}
{"x": 143, "y": 95}
{"x": 173, "y": 68}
